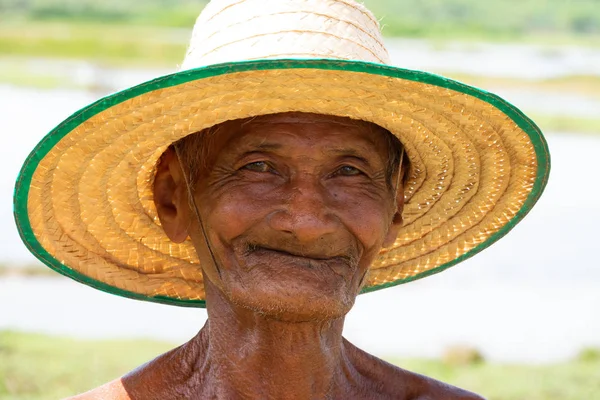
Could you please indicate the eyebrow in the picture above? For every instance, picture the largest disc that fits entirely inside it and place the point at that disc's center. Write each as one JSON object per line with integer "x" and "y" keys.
{"x": 340, "y": 151}
{"x": 349, "y": 152}
{"x": 266, "y": 146}
{"x": 252, "y": 146}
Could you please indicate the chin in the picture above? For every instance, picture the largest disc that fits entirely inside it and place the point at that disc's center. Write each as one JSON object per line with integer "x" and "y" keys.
{"x": 293, "y": 303}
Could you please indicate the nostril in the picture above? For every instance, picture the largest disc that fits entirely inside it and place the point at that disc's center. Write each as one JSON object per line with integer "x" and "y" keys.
{"x": 280, "y": 220}
{"x": 305, "y": 224}
{"x": 303, "y": 211}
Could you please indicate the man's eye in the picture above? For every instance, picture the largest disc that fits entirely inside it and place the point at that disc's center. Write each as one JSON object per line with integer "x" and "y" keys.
{"x": 258, "y": 166}
{"x": 347, "y": 170}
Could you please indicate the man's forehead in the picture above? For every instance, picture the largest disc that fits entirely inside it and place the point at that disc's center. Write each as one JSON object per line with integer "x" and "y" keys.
{"x": 279, "y": 125}
{"x": 305, "y": 118}
{"x": 331, "y": 134}
{"x": 325, "y": 134}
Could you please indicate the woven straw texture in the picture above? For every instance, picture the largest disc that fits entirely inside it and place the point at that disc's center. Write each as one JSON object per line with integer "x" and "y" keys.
{"x": 84, "y": 201}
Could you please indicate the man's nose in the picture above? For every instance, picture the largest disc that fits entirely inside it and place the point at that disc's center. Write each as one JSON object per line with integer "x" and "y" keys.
{"x": 304, "y": 211}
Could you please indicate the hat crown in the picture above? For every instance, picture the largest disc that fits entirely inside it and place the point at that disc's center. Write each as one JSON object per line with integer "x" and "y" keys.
{"x": 240, "y": 30}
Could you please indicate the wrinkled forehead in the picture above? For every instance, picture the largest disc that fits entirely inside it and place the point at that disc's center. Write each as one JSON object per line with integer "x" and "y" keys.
{"x": 256, "y": 127}
{"x": 307, "y": 118}
{"x": 297, "y": 135}
{"x": 200, "y": 151}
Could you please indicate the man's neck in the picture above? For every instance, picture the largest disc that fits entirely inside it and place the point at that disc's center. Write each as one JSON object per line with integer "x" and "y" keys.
{"x": 241, "y": 354}
{"x": 247, "y": 354}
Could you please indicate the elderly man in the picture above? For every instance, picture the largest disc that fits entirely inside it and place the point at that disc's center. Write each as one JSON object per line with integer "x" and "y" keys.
{"x": 270, "y": 181}
{"x": 287, "y": 212}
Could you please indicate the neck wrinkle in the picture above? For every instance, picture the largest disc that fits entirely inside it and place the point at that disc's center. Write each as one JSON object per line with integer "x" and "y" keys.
{"x": 248, "y": 355}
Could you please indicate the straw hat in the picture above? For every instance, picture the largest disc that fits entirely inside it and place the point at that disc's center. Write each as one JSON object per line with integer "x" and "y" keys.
{"x": 83, "y": 200}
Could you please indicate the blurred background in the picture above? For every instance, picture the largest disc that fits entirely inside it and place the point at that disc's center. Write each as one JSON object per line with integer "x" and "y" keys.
{"x": 519, "y": 321}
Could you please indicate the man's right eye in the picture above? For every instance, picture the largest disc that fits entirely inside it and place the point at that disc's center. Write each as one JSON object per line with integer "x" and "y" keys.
{"x": 258, "y": 166}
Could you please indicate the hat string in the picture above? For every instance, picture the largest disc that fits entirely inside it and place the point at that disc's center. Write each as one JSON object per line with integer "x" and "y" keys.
{"x": 192, "y": 201}
{"x": 399, "y": 172}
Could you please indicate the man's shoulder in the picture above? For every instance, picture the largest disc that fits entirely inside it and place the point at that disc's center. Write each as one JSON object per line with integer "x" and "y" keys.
{"x": 113, "y": 390}
{"x": 391, "y": 381}
{"x": 421, "y": 387}
{"x": 432, "y": 389}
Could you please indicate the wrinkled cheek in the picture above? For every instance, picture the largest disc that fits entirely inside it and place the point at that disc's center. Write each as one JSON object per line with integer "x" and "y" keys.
{"x": 232, "y": 215}
{"x": 370, "y": 229}
{"x": 226, "y": 220}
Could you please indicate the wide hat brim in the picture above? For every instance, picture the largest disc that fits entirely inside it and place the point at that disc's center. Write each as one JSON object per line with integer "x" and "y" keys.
{"x": 83, "y": 200}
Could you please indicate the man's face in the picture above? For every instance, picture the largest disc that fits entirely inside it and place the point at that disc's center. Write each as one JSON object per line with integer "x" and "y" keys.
{"x": 295, "y": 207}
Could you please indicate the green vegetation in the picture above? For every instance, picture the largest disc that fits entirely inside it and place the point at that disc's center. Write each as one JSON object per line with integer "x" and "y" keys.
{"x": 586, "y": 85}
{"x": 589, "y": 354}
{"x": 32, "y": 270}
{"x": 114, "y": 44}
{"x": 565, "y": 381}
{"x": 502, "y": 19}
{"x": 508, "y": 19}
{"x": 562, "y": 123}
{"x": 172, "y": 13}
{"x": 462, "y": 355}
{"x": 36, "y": 367}
{"x": 157, "y": 31}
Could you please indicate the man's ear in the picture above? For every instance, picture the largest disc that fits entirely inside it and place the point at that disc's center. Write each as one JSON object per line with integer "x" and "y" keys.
{"x": 170, "y": 197}
{"x": 397, "y": 220}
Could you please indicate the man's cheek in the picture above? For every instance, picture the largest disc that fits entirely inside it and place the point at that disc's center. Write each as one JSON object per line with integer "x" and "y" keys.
{"x": 370, "y": 230}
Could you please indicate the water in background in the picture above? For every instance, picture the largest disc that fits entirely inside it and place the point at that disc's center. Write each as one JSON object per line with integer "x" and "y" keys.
{"x": 533, "y": 296}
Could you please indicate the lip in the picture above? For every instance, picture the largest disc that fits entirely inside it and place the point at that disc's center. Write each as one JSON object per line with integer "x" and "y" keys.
{"x": 340, "y": 265}
{"x": 307, "y": 256}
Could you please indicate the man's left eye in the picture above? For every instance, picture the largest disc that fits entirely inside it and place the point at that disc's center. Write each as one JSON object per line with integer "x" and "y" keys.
{"x": 258, "y": 166}
{"x": 348, "y": 170}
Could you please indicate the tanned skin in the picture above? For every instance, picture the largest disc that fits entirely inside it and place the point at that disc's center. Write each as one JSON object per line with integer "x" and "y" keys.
{"x": 295, "y": 208}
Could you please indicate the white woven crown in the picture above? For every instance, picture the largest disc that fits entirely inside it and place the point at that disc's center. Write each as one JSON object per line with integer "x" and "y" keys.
{"x": 237, "y": 30}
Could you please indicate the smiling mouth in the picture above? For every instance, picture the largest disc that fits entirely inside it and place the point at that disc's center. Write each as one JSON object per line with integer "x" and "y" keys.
{"x": 313, "y": 256}
{"x": 340, "y": 264}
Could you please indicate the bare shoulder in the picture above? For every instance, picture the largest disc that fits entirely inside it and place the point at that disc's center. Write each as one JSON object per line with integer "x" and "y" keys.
{"x": 141, "y": 383}
{"x": 390, "y": 381}
{"x": 432, "y": 389}
{"x": 113, "y": 390}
